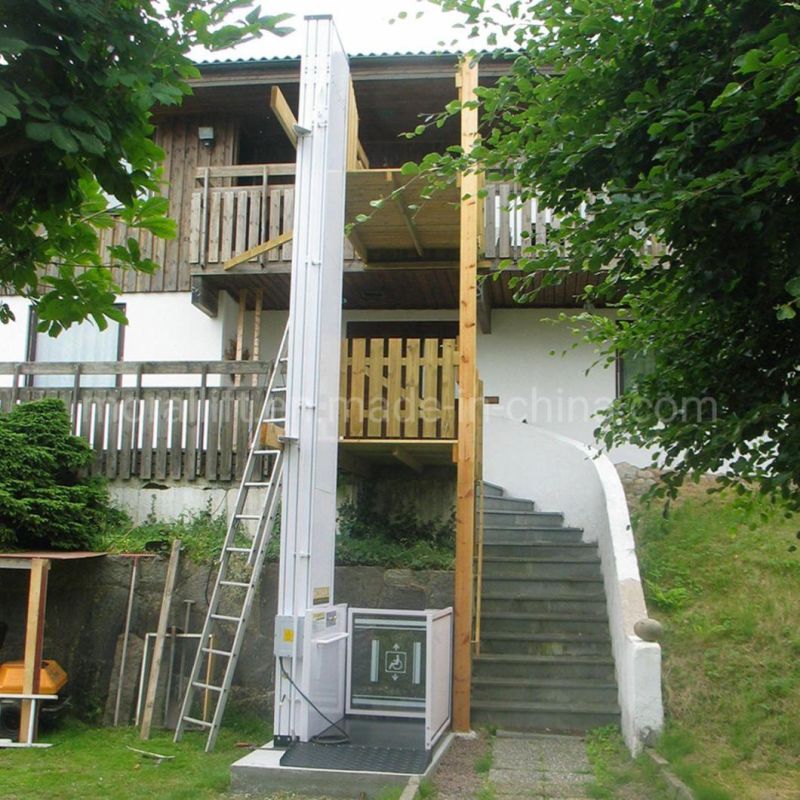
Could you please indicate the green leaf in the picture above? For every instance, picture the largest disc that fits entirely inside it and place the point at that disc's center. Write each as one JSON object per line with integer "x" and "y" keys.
{"x": 409, "y": 169}
{"x": 785, "y": 312}
{"x": 793, "y": 286}
{"x": 750, "y": 62}
{"x": 730, "y": 90}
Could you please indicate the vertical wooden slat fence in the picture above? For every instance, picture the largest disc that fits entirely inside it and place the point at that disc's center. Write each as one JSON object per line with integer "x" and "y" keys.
{"x": 398, "y": 389}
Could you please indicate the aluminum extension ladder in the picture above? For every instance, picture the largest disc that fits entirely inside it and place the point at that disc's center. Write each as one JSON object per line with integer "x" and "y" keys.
{"x": 240, "y": 566}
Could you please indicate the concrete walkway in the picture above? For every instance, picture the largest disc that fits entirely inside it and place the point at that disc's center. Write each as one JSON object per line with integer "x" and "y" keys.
{"x": 538, "y": 766}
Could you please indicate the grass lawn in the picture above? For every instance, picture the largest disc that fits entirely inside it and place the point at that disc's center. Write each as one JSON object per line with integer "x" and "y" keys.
{"x": 86, "y": 763}
{"x": 725, "y": 581}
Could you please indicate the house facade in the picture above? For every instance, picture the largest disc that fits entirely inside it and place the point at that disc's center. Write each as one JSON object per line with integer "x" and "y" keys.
{"x": 169, "y": 400}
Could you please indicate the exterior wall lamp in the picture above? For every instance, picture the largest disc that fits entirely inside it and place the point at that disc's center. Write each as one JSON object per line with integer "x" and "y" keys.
{"x": 205, "y": 133}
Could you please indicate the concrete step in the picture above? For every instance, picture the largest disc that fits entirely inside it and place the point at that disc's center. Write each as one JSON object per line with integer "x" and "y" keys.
{"x": 533, "y": 568}
{"x": 553, "y": 587}
{"x": 507, "y": 504}
{"x": 527, "y": 667}
{"x": 514, "y": 547}
{"x": 524, "y": 690}
{"x": 521, "y": 623}
{"x": 501, "y": 602}
{"x": 492, "y": 490}
{"x": 546, "y": 644}
{"x": 553, "y": 534}
{"x": 544, "y": 716}
{"x": 514, "y": 518}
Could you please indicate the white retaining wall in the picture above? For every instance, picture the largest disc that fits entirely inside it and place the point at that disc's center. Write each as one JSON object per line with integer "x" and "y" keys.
{"x": 561, "y": 474}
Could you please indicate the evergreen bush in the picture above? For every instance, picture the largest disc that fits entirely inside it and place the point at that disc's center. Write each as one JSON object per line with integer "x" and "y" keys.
{"x": 46, "y": 499}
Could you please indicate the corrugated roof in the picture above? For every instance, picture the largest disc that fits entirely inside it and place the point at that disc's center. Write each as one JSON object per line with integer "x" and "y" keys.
{"x": 273, "y": 59}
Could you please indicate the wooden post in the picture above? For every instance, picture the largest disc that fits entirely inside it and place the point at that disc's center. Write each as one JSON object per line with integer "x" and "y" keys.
{"x": 34, "y": 638}
{"x": 161, "y": 635}
{"x": 467, "y": 381}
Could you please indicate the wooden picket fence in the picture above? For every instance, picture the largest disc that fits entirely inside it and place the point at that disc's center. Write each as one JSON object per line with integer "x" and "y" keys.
{"x": 398, "y": 389}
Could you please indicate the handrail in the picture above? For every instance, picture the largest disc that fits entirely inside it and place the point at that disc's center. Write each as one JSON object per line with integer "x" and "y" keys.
{"x": 244, "y": 171}
{"x": 135, "y": 367}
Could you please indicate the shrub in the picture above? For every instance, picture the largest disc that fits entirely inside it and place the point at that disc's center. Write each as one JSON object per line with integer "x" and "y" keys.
{"x": 46, "y": 500}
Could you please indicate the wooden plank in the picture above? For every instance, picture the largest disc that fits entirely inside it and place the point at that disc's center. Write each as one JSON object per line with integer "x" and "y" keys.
{"x": 274, "y": 225}
{"x": 256, "y": 352}
{"x": 467, "y": 380}
{"x": 34, "y": 639}
{"x": 253, "y": 218}
{"x": 343, "y": 389}
{"x": 352, "y": 130}
{"x": 242, "y": 208}
{"x": 288, "y": 221}
{"x": 358, "y": 362}
{"x": 126, "y": 421}
{"x": 212, "y": 427}
{"x": 411, "y": 390}
{"x": 448, "y": 389}
{"x": 176, "y": 437}
{"x": 430, "y": 389}
{"x": 162, "y": 433}
{"x": 98, "y": 435}
{"x": 408, "y": 220}
{"x": 148, "y": 417}
{"x": 245, "y": 170}
{"x": 259, "y": 249}
{"x": 504, "y": 243}
{"x": 283, "y": 113}
{"x": 213, "y": 225}
{"x": 226, "y": 234}
{"x": 161, "y": 635}
{"x": 270, "y": 436}
{"x": 394, "y": 388}
{"x": 243, "y": 410}
{"x": 227, "y": 424}
{"x": 190, "y": 452}
{"x": 375, "y": 407}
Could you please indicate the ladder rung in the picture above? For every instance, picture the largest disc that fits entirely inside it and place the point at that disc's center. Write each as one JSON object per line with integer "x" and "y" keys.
{"x": 214, "y": 652}
{"x": 203, "y": 723}
{"x": 266, "y": 452}
{"x": 225, "y": 617}
{"x": 246, "y": 516}
{"x": 233, "y": 583}
{"x": 283, "y": 360}
{"x": 274, "y": 419}
{"x": 279, "y": 388}
{"x": 232, "y": 549}
{"x": 209, "y": 686}
{"x": 256, "y": 483}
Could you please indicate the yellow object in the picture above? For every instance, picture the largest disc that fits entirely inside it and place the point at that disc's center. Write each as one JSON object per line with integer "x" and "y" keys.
{"x": 288, "y": 635}
{"x": 52, "y": 677}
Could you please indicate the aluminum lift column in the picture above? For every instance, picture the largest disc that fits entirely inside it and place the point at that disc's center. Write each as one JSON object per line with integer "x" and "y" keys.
{"x": 308, "y": 514}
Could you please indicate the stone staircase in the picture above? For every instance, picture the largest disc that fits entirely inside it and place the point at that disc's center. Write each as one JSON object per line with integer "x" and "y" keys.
{"x": 545, "y": 658}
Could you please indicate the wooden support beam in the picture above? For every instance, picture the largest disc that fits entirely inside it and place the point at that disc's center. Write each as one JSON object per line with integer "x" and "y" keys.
{"x": 252, "y": 253}
{"x": 284, "y": 115}
{"x": 467, "y": 381}
{"x": 404, "y": 457}
{"x": 34, "y": 638}
{"x": 161, "y": 635}
{"x": 204, "y": 296}
{"x": 358, "y": 245}
{"x": 484, "y": 307}
{"x": 237, "y": 379}
{"x": 411, "y": 227}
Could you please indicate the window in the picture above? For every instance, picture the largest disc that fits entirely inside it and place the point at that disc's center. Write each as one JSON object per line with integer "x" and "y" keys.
{"x": 630, "y": 368}
{"x": 80, "y": 343}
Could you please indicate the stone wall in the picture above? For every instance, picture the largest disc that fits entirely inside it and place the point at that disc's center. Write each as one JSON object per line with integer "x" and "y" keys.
{"x": 636, "y": 480}
{"x": 86, "y": 614}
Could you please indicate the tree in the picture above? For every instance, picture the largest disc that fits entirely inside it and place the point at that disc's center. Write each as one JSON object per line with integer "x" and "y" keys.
{"x": 671, "y": 121}
{"x": 78, "y": 81}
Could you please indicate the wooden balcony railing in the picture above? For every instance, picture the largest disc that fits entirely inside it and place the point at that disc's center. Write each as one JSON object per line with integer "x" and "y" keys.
{"x": 190, "y": 420}
{"x": 398, "y": 389}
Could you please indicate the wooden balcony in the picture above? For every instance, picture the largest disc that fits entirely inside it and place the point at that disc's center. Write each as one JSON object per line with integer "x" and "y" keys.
{"x": 193, "y": 420}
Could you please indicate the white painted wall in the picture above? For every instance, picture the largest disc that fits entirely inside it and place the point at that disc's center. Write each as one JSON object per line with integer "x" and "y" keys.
{"x": 543, "y": 374}
{"x": 562, "y": 474}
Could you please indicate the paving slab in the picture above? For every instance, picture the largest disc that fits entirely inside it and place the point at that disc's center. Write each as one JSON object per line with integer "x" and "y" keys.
{"x": 540, "y": 767}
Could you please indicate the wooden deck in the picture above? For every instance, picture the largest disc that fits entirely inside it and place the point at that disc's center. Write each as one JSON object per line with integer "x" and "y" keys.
{"x": 194, "y": 420}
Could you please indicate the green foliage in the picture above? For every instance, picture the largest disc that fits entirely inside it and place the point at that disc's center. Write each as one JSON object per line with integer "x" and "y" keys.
{"x": 78, "y": 81}
{"x": 201, "y": 533}
{"x": 615, "y": 773}
{"x": 483, "y": 764}
{"x": 45, "y": 501}
{"x": 671, "y": 121}
{"x": 730, "y": 649}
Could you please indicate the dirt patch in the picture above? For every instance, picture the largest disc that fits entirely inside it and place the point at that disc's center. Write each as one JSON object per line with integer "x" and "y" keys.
{"x": 457, "y": 777}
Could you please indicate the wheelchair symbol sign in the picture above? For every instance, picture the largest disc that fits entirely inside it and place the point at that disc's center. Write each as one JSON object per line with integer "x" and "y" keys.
{"x": 395, "y": 662}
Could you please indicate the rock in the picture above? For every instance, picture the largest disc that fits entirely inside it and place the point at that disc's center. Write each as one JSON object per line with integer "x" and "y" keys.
{"x": 650, "y": 630}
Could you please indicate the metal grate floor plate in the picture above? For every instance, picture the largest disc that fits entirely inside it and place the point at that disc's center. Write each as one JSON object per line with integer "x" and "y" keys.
{"x": 355, "y": 758}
